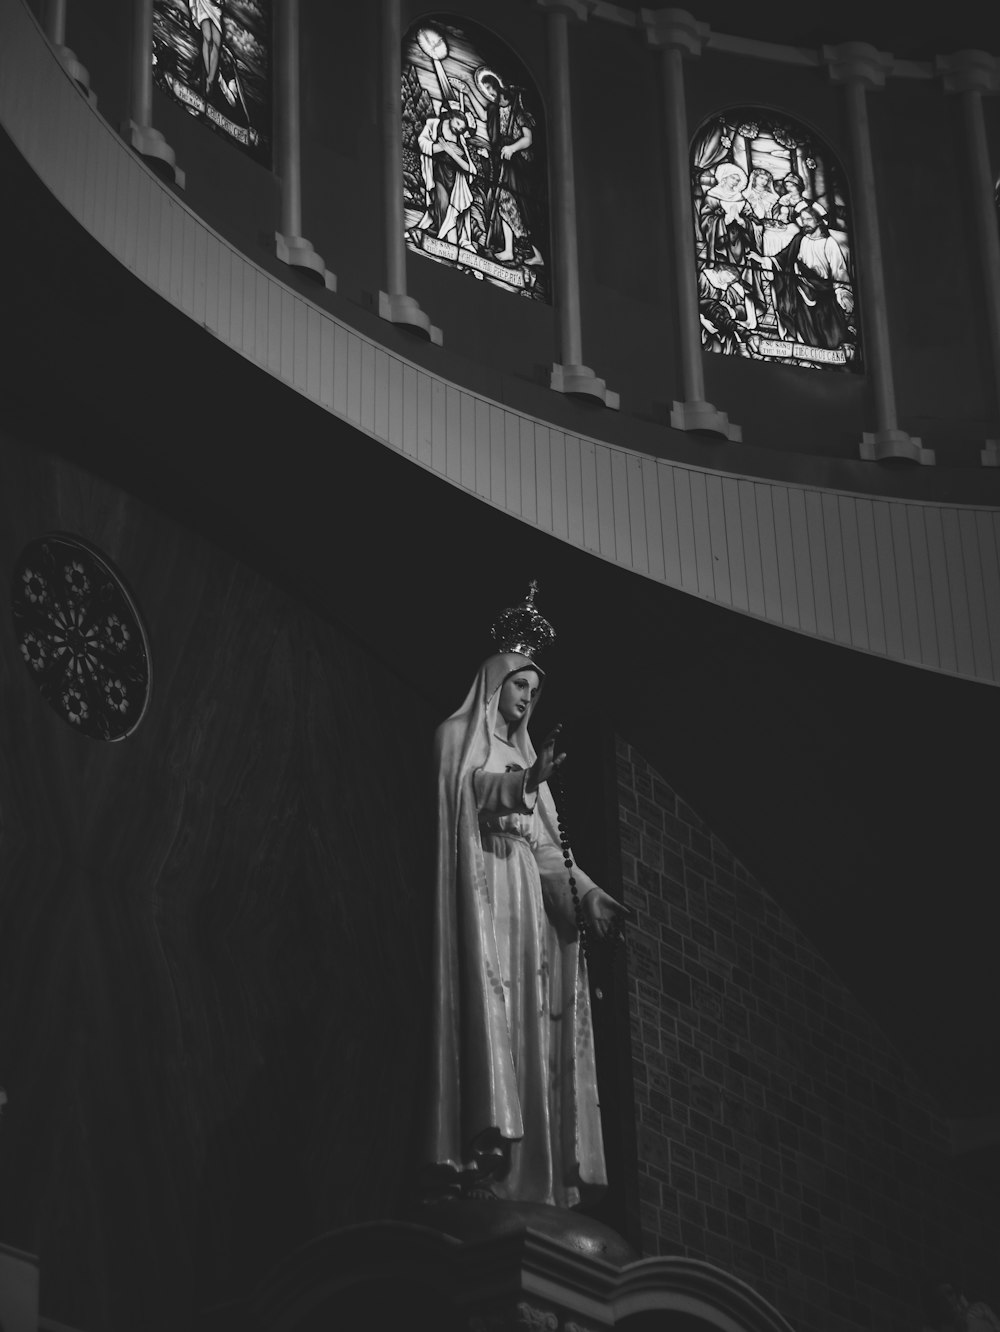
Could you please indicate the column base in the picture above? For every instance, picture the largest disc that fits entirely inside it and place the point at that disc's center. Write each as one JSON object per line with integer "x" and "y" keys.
{"x": 405, "y": 311}
{"x": 990, "y": 455}
{"x": 580, "y": 381}
{"x": 76, "y": 71}
{"x": 879, "y": 445}
{"x": 150, "y": 144}
{"x": 297, "y": 252}
{"x": 701, "y": 418}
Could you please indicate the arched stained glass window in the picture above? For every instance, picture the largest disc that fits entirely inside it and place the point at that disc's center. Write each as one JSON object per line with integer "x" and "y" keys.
{"x": 474, "y": 170}
{"x": 214, "y": 58}
{"x": 773, "y": 243}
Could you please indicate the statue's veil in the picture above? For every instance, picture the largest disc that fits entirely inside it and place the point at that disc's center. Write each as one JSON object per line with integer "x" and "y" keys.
{"x": 473, "y": 1093}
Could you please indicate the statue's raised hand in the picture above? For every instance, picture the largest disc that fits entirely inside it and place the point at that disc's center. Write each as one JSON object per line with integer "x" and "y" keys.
{"x": 546, "y": 762}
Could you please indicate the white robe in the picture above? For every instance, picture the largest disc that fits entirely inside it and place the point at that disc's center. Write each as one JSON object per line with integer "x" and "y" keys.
{"x": 206, "y": 9}
{"x": 532, "y": 912}
{"x": 823, "y": 256}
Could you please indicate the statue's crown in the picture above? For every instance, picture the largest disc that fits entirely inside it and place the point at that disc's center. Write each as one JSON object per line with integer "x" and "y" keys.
{"x": 522, "y": 628}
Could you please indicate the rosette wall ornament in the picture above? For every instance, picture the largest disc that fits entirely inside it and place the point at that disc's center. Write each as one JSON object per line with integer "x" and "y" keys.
{"x": 81, "y": 636}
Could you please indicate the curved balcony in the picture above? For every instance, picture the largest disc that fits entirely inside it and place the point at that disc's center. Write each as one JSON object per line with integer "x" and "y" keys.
{"x": 914, "y": 581}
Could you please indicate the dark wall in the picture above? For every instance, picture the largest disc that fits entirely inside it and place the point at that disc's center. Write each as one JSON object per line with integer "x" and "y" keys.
{"x": 936, "y": 299}
{"x": 211, "y": 934}
{"x": 505, "y": 345}
{"x": 626, "y": 271}
{"x": 100, "y": 36}
{"x": 342, "y": 147}
{"x": 780, "y": 1134}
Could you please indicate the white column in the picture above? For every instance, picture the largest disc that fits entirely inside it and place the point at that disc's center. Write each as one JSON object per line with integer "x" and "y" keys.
{"x": 138, "y": 131}
{"x": 859, "y": 67}
{"x": 569, "y": 374}
{"x": 677, "y": 34}
{"x": 970, "y": 74}
{"x": 55, "y": 30}
{"x": 393, "y": 303}
{"x": 290, "y": 245}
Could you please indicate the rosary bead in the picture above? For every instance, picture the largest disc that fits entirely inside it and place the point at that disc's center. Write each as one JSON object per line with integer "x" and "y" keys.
{"x": 581, "y": 924}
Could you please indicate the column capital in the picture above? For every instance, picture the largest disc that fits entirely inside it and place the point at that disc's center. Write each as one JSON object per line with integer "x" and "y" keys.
{"x": 969, "y": 71}
{"x": 573, "y": 9}
{"x": 675, "y": 28}
{"x": 858, "y": 62}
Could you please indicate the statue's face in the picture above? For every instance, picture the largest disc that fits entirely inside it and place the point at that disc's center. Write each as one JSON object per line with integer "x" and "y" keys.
{"x": 516, "y": 694}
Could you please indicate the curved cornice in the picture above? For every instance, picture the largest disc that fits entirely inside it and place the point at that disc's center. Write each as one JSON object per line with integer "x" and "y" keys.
{"x": 584, "y": 1291}
{"x": 913, "y": 581}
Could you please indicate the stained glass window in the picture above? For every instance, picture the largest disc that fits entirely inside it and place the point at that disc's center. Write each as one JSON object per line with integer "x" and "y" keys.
{"x": 214, "y": 57}
{"x": 81, "y": 636}
{"x": 474, "y": 172}
{"x": 773, "y": 243}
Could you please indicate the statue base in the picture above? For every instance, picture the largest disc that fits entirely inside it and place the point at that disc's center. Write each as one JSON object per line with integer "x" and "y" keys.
{"x": 489, "y": 1266}
{"x": 474, "y": 1219}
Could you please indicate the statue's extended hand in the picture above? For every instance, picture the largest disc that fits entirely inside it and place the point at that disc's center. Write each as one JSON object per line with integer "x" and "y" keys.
{"x": 546, "y": 761}
{"x": 603, "y": 913}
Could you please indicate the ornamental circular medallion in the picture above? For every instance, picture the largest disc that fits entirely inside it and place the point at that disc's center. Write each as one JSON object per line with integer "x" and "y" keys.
{"x": 81, "y": 636}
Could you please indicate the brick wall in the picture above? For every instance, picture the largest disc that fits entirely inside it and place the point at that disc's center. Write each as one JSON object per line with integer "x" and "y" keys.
{"x": 780, "y": 1135}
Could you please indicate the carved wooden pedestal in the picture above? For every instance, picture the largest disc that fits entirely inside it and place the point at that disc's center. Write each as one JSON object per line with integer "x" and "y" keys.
{"x": 494, "y": 1267}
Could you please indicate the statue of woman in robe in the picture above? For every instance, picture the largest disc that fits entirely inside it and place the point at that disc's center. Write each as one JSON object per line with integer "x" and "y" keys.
{"x": 513, "y": 1087}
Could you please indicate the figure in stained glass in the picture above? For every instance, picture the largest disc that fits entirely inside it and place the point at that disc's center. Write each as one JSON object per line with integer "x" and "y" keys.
{"x": 447, "y": 170}
{"x": 760, "y": 194}
{"x": 724, "y": 221}
{"x": 812, "y": 285}
{"x": 473, "y": 157}
{"x": 727, "y": 309}
{"x": 775, "y": 273}
{"x": 509, "y": 132}
{"x": 206, "y": 16}
{"x": 214, "y": 57}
